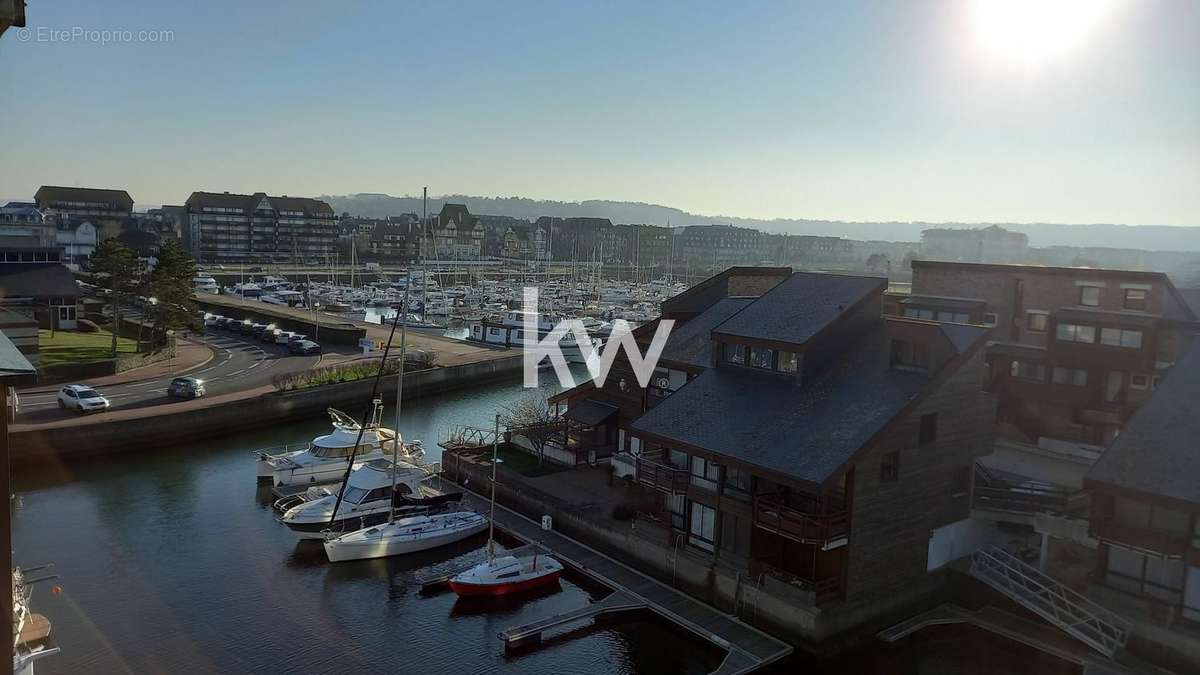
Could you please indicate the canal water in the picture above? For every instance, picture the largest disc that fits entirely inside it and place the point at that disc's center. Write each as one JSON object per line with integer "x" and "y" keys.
{"x": 171, "y": 562}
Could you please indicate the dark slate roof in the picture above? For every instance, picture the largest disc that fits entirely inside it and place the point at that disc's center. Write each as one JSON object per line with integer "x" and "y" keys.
{"x": 962, "y": 336}
{"x": 806, "y": 432}
{"x": 589, "y": 412}
{"x": 691, "y": 342}
{"x": 248, "y": 203}
{"x": 800, "y": 306}
{"x": 1156, "y": 451}
{"x": 36, "y": 280}
{"x": 48, "y": 195}
{"x": 458, "y": 213}
{"x": 1191, "y": 296}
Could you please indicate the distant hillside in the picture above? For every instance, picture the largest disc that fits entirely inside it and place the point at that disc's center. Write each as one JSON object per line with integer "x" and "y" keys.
{"x": 1145, "y": 237}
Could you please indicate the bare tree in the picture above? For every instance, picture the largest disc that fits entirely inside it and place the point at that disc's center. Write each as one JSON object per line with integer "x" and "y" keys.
{"x": 532, "y": 418}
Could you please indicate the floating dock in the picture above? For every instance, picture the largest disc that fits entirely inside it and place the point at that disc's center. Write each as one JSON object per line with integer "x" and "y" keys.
{"x": 747, "y": 648}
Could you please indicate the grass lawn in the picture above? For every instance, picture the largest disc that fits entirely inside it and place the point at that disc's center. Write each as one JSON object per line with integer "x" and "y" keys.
{"x": 526, "y": 463}
{"x": 74, "y": 347}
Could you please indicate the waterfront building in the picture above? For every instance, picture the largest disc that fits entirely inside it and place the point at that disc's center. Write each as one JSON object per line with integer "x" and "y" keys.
{"x": 77, "y": 239}
{"x": 396, "y": 238}
{"x": 456, "y": 234}
{"x": 992, "y": 244}
{"x": 1145, "y": 516}
{"x": 105, "y": 209}
{"x": 241, "y": 228}
{"x": 718, "y": 245}
{"x": 797, "y": 437}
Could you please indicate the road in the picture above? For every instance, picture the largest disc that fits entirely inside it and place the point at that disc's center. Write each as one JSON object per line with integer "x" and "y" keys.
{"x": 240, "y": 363}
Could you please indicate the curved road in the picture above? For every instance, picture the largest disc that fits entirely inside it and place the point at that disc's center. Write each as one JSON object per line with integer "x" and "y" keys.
{"x": 240, "y": 363}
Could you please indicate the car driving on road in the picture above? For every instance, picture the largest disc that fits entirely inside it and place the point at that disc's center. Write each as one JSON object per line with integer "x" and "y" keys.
{"x": 81, "y": 398}
{"x": 186, "y": 387}
{"x": 304, "y": 347}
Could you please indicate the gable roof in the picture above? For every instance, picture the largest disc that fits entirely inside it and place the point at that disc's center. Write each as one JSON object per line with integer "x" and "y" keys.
{"x": 248, "y": 203}
{"x": 1155, "y": 452}
{"x": 801, "y": 306}
{"x": 36, "y": 280}
{"x": 48, "y": 195}
{"x": 803, "y": 431}
{"x": 458, "y": 213}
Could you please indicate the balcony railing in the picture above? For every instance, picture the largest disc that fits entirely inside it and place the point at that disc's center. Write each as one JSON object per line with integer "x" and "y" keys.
{"x": 1025, "y": 496}
{"x": 822, "y": 590}
{"x": 663, "y": 477}
{"x": 821, "y": 525}
{"x": 1164, "y": 543}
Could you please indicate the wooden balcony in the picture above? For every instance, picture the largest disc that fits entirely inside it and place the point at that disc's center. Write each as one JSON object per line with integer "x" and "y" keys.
{"x": 818, "y": 591}
{"x": 662, "y": 477}
{"x": 819, "y": 523}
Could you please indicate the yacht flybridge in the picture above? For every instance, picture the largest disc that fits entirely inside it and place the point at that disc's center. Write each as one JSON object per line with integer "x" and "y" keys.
{"x": 368, "y": 499}
{"x": 325, "y": 459}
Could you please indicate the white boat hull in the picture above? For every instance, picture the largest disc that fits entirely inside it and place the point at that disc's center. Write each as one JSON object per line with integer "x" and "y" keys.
{"x": 378, "y": 542}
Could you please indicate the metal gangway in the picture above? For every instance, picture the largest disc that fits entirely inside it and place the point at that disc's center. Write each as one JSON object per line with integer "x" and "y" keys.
{"x": 1081, "y": 618}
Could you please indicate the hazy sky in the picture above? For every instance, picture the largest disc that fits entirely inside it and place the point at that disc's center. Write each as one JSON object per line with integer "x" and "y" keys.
{"x": 901, "y": 110}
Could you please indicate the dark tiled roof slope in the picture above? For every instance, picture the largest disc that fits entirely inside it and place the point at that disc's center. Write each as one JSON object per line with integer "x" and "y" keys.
{"x": 691, "y": 342}
{"x": 801, "y": 306}
{"x": 1158, "y": 451}
{"x": 806, "y": 432}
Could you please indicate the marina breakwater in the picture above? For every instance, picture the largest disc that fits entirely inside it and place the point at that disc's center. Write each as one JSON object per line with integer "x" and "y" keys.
{"x": 157, "y": 426}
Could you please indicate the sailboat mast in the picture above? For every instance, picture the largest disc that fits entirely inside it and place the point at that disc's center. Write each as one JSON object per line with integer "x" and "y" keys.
{"x": 399, "y": 399}
{"x": 492, "y": 515}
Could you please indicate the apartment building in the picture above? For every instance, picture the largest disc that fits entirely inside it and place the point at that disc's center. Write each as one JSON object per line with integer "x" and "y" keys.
{"x": 456, "y": 234}
{"x": 797, "y": 437}
{"x": 992, "y": 244}
{"x": 106, "y": 209}
{"x": 243, "y": 228}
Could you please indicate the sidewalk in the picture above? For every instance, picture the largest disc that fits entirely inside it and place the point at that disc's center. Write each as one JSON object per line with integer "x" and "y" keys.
{"x": 189, "y": 355}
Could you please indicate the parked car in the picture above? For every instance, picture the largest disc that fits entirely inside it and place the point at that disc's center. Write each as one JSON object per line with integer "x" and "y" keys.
{"x": 296, "y": 337}
{"x": 255, "y": 270}
{"x": 211, "y": 320}
{"x": 186, "y": 387}
{"x": 224, "y": 322}
{"x": 243, "y": 326}
{"x": 304, "y": 347}
{"x": 81, "y": 398}
{"x": 256, "y": 329}
{"x": 271, "y": 334}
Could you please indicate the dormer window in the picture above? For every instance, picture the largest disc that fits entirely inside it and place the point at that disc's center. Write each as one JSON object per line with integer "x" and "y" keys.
{"x": 788, "y": 362}
{"x": 735, "y": 353}
{"x": 761, "y": 357}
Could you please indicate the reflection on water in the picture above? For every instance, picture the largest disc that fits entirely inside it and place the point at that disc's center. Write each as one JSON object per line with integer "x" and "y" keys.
{"x": 171, "y": 561}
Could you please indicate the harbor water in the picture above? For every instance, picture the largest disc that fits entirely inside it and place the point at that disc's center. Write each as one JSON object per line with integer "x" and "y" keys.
{"x": 171, "y": 562}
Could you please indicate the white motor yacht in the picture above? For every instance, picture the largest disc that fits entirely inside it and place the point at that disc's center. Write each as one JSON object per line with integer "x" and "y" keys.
{"x": 366, "y": 500}
{"x": 406, "y": 535}
{"x": 326, "y": 457}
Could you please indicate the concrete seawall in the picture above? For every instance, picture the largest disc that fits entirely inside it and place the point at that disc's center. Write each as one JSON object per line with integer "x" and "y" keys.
{"x": 159, "y": 426}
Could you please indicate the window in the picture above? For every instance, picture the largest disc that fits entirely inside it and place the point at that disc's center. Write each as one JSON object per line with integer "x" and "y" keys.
{"x": 703, "y": 526}
{"x": 990, "y": 319}
{"x": 928, "y": 433}
{"x": 1117, "y": 337}
{"x": 1036, "y": 321}
{"x": 1069, "y": 332}
{"x": 1135, "y": 299}
{"x": 705, "y": 473}
{"x": 1072, "y": 376}
{"x": 788, "y": 362}
{"x": 952, "y": 317}
{"x": 735, "y": 353}
{"x": 889, "y": 468}
{"x": 1028, "y": 371}
{"x": 1139, "y": 381}
{"x": 909, "y": 354}
{"x": 676, "y": 504}
{"x": 761, "y": 357}
{"x": 737, "y": 483}
{"x": 66, "y": 313}
{"x": 1089, "y": 296}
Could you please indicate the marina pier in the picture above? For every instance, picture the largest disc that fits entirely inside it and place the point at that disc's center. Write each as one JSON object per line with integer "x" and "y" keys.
{"x": 747, "y": 648}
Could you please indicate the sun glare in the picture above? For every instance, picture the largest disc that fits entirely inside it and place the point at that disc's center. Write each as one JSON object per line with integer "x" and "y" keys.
{"x": 1031, "y": 33}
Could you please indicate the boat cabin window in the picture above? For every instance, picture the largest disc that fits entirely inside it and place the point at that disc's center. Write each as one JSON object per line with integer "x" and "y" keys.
{"x": 335, "y": 453}
{"x": 354, "y": 495}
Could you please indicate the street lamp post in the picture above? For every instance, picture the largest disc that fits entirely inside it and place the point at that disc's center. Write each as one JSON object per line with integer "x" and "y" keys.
{"x": 316, "y": 323}
{"x": 170, "y": 352}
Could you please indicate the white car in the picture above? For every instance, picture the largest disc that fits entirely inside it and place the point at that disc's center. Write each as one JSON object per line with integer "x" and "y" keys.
{"x": 81, "y": 398}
